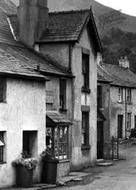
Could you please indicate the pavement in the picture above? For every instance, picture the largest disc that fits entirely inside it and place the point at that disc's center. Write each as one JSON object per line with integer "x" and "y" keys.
{"x": 116, "y": 175}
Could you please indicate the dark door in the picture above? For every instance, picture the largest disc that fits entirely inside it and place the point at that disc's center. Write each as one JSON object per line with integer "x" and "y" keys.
{"x": 99, "y": 139}
{"x": 135, "y": 121}
{"x": 120, "y": 126}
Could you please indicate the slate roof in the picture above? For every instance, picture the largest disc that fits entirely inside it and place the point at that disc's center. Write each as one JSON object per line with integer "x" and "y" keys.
{"x": 65, "y": 27}
{"x": 57, "y": 118}
{"x": 8, "y": 7}
{"x": 15, "y": 58}
{"x": 102, "y": 76}
{"x": 118, "y": 76}
{"x": 22, "y": 60}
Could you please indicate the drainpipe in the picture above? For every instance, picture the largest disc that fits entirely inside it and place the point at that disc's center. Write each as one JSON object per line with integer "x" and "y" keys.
{"x": 70, "y": 56}
{"x": 73, "y": 97}
{"x": 125, "y": 113}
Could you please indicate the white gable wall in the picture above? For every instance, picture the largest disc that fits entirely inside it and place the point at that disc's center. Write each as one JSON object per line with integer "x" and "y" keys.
{"x": 24, "y": 110}
{"x": 79, "y": 157}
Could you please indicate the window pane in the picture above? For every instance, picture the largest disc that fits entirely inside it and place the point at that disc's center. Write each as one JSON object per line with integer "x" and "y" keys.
{"x": 59, "y": 140}
{"x": 29, "y": 148}
{"x": 99, "y": 96}
{"x": 120, "y": 94}
{"x": 2, "y": 146}
{"x": 85, "y": 70}
{"x": 63, "y": 142}
{"x": 85, "y": 128}
{"x": 1, "y": 153}
{"x": 63, "y": 94}
{"x": 129, "y": 95}
{"x": 2, "y": 89}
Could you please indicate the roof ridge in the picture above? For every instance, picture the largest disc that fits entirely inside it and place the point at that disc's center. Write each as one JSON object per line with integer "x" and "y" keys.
{"x": 69, "y": 11}
{"x": 60, "y": 12}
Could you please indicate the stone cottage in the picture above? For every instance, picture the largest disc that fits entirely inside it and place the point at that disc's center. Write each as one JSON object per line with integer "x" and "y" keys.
{"x": 22, "y": 108}
{"x": 117, "y": 89}
{"x": 71, "y": 40}
{"x": 22, "y": 100}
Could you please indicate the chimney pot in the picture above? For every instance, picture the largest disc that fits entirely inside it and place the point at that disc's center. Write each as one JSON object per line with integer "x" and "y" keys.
{"x": 124, "y": 62}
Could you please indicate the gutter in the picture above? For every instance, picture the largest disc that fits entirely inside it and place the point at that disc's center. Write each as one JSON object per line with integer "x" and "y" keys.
{"x": 24, "y": 76}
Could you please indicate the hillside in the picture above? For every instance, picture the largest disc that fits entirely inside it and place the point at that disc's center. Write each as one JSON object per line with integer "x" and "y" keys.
{"x": 117, "y": 30}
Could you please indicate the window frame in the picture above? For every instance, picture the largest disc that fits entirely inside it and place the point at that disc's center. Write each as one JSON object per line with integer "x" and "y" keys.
{"x": 63, "y": 94}
{"x": 2, "y": 148}
{"x": 86, "y": 70}
{"x": 129, "y": 96}
{"x": 29, "y": 148}
{"x": 3, "y": 89}
{"x": 55, "y": 144}
{"x": 85, "y": 127}
{"x": 99, "y": 97}
{"x": 120, "y": 94}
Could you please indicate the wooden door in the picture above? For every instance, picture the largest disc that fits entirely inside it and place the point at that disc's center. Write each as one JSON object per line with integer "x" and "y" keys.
{"x": 100, "y": 139}
{"x": 120, "y": 126}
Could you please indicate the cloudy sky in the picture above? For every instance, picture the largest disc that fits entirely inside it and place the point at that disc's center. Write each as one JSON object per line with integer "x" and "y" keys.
{"x": 127, "y": 6}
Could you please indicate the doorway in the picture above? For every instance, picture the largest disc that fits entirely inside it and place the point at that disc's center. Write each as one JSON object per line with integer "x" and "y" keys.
{"x": 120, "y": 126}
{"x": 100, "y": 139}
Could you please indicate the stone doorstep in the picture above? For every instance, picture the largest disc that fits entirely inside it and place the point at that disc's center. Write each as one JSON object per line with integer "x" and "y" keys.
{"x": 38, "y": 186}
{"x": 102, "y": 162}
{"x": 73, "y": 176}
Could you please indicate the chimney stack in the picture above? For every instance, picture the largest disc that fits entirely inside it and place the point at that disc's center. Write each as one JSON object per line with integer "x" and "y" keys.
{"x": 99, "y": 59}
{"x": 32, "y": 20}
{"x": 124, "y": 62}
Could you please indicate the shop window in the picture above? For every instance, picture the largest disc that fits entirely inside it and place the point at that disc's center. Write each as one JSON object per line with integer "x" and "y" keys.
{"x": 2, "y": 89}
{"x": 85, "y": 72}
{"x": 120, "y": 95}
{"x": 62, "y": 94}
{"x": 57, "y": 141}
{"x": 29, "y": 143}
{"x": 2, "y": 147}
{"x": 85, "y": 129}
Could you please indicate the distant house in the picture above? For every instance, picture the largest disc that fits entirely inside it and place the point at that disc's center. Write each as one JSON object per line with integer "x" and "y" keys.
{"x": 118, "y": 92}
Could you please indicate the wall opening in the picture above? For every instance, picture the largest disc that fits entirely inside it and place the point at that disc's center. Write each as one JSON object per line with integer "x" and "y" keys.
{"x": 29, "y": 144}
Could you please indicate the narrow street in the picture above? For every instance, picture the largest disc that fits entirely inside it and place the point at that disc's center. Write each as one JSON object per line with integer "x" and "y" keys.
{"x": 122, "y": 175}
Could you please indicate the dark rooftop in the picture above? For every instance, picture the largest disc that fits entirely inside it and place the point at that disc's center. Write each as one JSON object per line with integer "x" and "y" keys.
{"x": 14, "y": 56}
{"x": 22, "y": 60}
{"x": 57, "y": 118}
{"x": 117, "y": 75}
{"x": 65, "y": 26}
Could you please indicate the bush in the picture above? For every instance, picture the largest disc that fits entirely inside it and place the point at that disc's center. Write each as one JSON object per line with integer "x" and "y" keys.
{"x": 29, "y": 163}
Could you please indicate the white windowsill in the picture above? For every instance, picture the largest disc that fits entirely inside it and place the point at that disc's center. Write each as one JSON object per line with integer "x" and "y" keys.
{"x": 63, "y": 161}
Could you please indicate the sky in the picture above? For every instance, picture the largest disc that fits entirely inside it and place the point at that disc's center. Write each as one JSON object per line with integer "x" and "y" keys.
{"x": 126, "y": 6}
